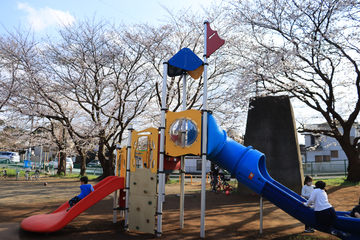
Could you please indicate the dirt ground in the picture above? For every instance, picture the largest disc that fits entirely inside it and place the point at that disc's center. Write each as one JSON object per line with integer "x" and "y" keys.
{"x": 227, "y": 216}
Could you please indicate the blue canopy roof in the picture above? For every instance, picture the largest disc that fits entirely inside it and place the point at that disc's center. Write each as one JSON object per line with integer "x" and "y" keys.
{"x": 186, "y": 59}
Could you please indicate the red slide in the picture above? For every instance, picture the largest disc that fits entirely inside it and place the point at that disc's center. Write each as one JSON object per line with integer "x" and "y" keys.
{"x": 60, "y": 217}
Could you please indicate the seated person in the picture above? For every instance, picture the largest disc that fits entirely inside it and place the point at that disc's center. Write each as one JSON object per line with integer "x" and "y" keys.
{"x": 85, "y": 188}
{"x": 356, "y": 211}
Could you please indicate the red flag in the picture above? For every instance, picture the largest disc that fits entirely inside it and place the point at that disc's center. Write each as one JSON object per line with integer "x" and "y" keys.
{"x": 213, "y": 41}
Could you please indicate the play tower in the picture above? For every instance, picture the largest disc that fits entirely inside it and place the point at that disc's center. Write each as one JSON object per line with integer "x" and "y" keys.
{"x": 180, "y": 134}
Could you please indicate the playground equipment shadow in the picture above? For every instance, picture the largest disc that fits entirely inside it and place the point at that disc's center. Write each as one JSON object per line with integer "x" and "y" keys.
{"x": 227, "y": 216}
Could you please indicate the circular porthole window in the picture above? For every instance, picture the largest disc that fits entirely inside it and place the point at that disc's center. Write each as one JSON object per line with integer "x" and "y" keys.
{"x": 183, "y": 132}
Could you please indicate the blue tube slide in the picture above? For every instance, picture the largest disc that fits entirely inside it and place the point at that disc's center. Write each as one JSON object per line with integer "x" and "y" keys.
{"x": 248, "y": 166}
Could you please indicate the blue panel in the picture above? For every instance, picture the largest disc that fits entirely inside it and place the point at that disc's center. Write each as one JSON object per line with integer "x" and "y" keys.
{"x": 186, "y": 59}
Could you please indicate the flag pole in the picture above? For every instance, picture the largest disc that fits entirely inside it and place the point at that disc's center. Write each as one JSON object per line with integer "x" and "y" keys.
{"x": 204, "y": 139}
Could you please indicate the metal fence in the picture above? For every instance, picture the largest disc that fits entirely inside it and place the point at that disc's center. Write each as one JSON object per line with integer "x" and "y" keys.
{"x": 314, "y": 169}
{"x": 331, "y": 168}
{"x": 21, "y": 166}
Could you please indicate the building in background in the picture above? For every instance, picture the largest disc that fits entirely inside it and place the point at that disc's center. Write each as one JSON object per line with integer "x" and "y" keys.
{"x": 321, "y": 148}
{"x": 323, "y": 155}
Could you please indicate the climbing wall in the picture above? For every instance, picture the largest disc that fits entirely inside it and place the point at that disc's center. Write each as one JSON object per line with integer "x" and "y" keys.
{"x": 142, "y": 200}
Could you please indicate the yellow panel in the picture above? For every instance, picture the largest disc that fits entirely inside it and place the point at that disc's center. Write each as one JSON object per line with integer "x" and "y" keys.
{"x": 171, "y": 148}
{"x": 134, "y": 140}
{"x": 154, "y": 149}
{"x": 195, "y": 74}
{"x": 118, "y": 162}
{"x": 121, "y": 163}
{"x": 149, "y": 156}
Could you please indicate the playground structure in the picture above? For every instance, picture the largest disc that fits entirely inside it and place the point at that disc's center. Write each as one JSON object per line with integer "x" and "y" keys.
{"x": 140, "y": 168}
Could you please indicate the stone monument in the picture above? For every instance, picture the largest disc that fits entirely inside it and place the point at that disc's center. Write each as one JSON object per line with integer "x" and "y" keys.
{"x": 271, "y": 130}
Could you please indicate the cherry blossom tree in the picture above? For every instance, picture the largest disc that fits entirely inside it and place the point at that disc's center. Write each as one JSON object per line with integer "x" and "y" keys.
{"x": 106, "y": 76}
{"x": 308, "y": 50}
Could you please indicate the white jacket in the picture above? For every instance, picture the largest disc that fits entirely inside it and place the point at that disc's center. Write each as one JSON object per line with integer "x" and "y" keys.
{"x": 320, "y": 200}
{"x": 306, "y": 191}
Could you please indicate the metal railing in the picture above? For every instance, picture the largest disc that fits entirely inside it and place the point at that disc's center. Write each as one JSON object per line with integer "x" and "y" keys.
{"x": 48, "y": 169}
{"x": 194, "y": 169}
{"x": 314, "y": 169}
{"x": 331, "y": 168}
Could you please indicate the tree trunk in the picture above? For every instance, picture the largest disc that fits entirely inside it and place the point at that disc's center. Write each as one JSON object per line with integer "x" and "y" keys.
{"x": 354, "y": 166}
{"x": 83, "y": 164}
{"x": 82, "y": 155}
{"x": 354, "y": 160}
{"x": 354, "y": 170}
{"x": 111, "y": 161}
{"x": 62, "y": 146}
{"x": 62, "y": 163}
{"x": 107, "y": 165}
{"x": 107, "y": 171}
